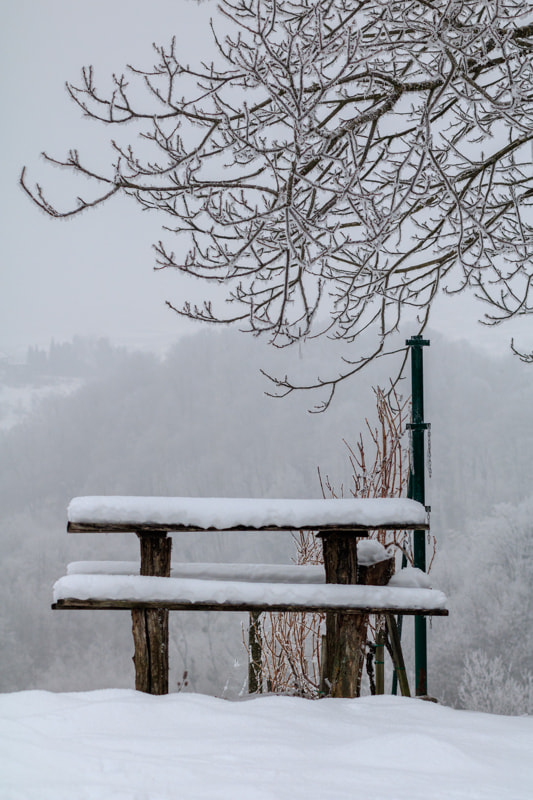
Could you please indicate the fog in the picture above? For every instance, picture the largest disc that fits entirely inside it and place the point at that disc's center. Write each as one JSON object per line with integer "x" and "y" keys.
{"x": 197, "y": 422}
{"x": 91, "y": 275}
{"x": 183, "y": 411}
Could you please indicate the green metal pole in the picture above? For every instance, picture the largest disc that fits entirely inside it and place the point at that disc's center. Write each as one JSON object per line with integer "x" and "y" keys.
{"x": 418, "y": 492}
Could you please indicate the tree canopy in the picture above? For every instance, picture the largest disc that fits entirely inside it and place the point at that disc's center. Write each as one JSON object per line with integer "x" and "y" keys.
{"x": 338, "y": 166}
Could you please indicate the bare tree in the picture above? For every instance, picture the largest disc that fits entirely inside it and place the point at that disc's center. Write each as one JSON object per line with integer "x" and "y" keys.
{"x": 341, "y": 164}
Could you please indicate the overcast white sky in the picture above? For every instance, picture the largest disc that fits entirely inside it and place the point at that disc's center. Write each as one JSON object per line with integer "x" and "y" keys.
{"x": 93, "y": 275}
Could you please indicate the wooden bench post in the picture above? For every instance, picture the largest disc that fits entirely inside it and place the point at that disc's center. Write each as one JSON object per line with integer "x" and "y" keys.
{"x": 255, "y": 654}
{"x": 346, "y": 634}
{"x": 150, "y": 626}
{"x": 344, "y": 652}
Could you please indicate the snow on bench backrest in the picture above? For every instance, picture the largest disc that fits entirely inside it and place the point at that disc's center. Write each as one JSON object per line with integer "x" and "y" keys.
{"x": 260, "y": 573}
{"x": 223, "y": 513}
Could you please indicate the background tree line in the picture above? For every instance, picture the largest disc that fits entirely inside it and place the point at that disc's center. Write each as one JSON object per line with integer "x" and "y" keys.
{"x": 196, "y": 422}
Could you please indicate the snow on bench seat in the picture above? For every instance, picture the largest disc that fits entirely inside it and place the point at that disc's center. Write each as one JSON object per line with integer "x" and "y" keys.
{"x": 135, "y": 591}
{"x": 263, "y": 573}
{"x": 145, "y": 514}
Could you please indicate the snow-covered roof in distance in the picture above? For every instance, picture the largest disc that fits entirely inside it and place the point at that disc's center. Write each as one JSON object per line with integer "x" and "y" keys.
{"x": 225, "y": 513}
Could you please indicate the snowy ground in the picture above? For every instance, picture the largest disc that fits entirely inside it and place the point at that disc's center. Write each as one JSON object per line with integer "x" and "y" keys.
{"x": 123, "y": 745}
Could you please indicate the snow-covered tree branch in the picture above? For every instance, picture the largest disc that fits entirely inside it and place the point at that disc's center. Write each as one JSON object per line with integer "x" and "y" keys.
{"x": 340, "y": 164}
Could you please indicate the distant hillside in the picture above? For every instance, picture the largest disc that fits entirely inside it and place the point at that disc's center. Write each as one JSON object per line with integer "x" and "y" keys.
{"x": 197, "y": 422}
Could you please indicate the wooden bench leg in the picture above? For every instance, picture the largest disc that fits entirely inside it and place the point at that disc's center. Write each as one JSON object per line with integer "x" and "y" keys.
{"x": 255, "y": 654}
{"x": 150, "y": 636}
{"x": 150, "y": 626}
{"x": 345, "y": 636}
{"x": 344, "y": 632}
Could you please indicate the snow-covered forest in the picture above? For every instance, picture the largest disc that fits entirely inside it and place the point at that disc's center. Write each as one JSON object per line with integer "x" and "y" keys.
{"x": 197, "y": 422}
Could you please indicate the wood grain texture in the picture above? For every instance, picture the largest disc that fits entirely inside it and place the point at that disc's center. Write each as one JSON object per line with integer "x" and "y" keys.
{"x": 150, "y": 623}
{"x": 74, "y": 603}
{"x": 133, "y": 527}
{"x": 346, "y": 633}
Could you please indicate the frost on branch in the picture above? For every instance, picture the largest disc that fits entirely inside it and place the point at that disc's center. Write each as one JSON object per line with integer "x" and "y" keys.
{"x": 338, "y": 165}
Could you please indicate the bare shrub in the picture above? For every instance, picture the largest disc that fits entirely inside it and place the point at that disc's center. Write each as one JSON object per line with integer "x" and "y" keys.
{"x": 292, "y": 642}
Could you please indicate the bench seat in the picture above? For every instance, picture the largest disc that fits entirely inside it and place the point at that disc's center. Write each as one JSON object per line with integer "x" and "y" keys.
{"x": 169, "y": 514}
{"x": 97, "y": 591}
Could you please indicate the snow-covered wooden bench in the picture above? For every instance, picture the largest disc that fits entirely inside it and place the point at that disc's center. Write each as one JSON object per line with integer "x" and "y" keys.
{"x": 151, "y": 588}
